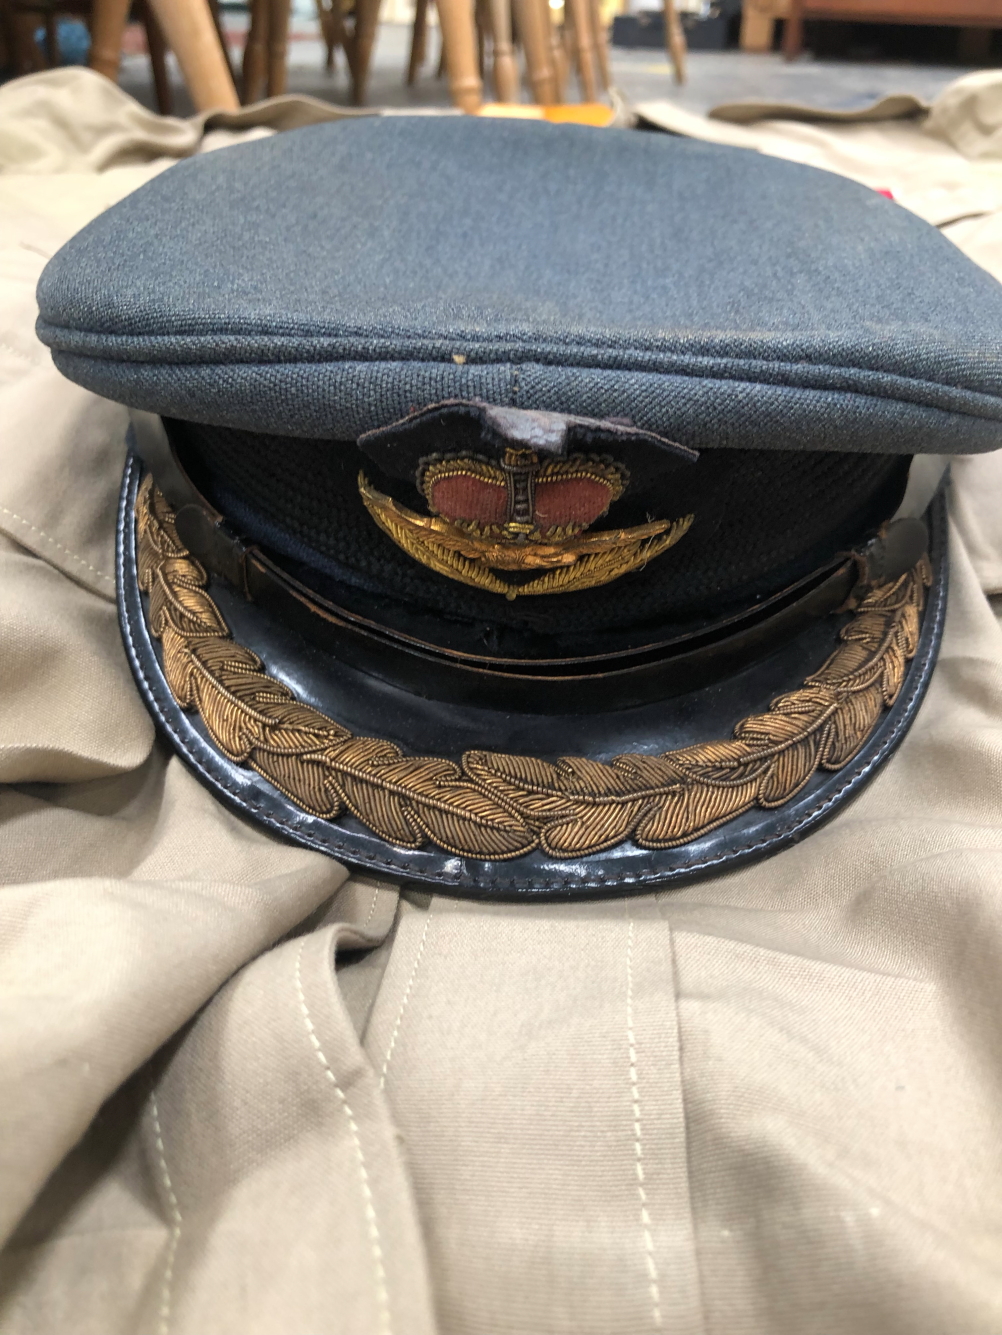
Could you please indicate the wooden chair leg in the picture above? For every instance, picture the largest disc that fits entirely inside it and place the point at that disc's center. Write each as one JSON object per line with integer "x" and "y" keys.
{"x": 157, "y": 48}
{"x": 459, "y": 43}
{"x": 601, "y": 44}
{"x": 558, "y": 58}
{"x": 217, "y": 21}
{"x": 30, "y": 58}
{"x": 533, "y": 24}
{"x": 255, "y": 65}
{"x": 419, "y": 41}
{"x": 675, "y": 40}
{"x": 332, "y": 28}
{"x": 52, "y": 52}
{"x": 363, "y": 40}
{"x": 189, "y": 32}
{"x": 338, "y": 28}
{"x": 756, "y": 29}
{"x": 107, "y": 25}
{"x": 504, "y": 71}
{"x": 584, "y": 47}
{"x": 278, "y": 37}
{"x": 483, "y": 33}
{"x": 10, "y": 31}
{"x": 793, "y": 31}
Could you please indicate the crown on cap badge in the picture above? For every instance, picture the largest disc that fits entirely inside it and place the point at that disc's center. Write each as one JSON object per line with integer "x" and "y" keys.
{"x": 521, "y": 515}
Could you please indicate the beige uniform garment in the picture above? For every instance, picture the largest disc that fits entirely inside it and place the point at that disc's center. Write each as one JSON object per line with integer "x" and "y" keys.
{"x": 766, "y": 1104}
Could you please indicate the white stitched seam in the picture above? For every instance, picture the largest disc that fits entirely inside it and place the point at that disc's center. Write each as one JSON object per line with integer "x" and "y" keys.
{"x": 58, "y": 545}
{"x": 638, "y": 1145}
{"x": 175, "y": 1222}
{"x": 372, "y": 909}
{"x": 403, "y": 1003}
{"x": 372, "y": 1226}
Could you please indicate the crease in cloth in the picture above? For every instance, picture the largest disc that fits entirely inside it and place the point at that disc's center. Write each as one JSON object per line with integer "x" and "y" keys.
{"x": 369, "y": 1205}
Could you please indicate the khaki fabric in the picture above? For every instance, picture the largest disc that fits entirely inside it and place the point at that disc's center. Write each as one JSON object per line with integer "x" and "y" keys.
{"x": 897, "y": 106}
{"x": 74, "y": 120}
{"x": 244, "y": 1091}
{"x": 945, "y": 166}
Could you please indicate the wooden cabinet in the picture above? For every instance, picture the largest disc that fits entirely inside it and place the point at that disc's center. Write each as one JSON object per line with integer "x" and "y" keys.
{"x": 983, "y": 14}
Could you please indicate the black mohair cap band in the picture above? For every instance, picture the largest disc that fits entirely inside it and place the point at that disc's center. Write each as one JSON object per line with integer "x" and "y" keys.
{"x": 762, "y": 519}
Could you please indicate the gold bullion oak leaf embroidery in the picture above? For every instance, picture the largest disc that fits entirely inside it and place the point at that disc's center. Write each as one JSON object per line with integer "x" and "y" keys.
{"x": 521, "y": 515}
{"x": 495, "y": 806}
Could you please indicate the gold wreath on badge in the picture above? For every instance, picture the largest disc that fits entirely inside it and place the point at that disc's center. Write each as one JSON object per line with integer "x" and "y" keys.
{"x": 521, "y": 516}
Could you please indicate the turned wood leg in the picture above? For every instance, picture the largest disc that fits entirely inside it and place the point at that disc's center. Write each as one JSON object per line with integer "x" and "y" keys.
{"x": 366, "y": 22}
{"x": 52, "y": 55}
{"x": 675, "y": 40}
{"x": 793, "y": 31}
{"x": 190, "y": 33}
{"x": 157, "y": 48}
{"x": 419, "y": 40}
{"x": 559, "y": 58}
{"x": 584, "y": 47}
{"x": 601, "y": 44}
{"x": 459, "y": 43}
{"x": 28, "y": 55}
{"x": 757, "y": 29}
{"x": 278, "y": 36}
{"x": 505, "y": 70}
{"x": 10, "y": 29}
{"x": 107, "y": 24}
{"x": 533, "y": 26}
{"x": 255, "y": 64}
{"x": 325, "y": 19}
{"x": 217, "y": 23}
{"x": 482, "y": 32}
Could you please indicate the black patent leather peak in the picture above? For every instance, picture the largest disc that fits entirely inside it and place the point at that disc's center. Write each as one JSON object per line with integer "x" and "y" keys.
{"x": 369, "y": 706}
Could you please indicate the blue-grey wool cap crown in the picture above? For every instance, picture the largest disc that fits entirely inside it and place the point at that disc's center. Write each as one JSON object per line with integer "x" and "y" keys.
{"x": 325, "y": 282}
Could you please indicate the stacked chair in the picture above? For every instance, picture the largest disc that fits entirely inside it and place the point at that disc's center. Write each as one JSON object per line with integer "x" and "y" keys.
{"x": 479, "y": 41}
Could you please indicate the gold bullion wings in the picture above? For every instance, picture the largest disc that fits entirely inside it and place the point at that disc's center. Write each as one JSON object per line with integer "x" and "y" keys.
{"x": 498, "y": 806}
{"x": 571, "y": 564}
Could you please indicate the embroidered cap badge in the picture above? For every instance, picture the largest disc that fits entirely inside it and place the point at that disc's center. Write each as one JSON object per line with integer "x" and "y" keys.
{"x": 521, "y": 515}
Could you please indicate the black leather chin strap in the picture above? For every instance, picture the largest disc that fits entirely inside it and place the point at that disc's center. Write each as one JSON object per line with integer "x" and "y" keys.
{"x": 583, "y": 685}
